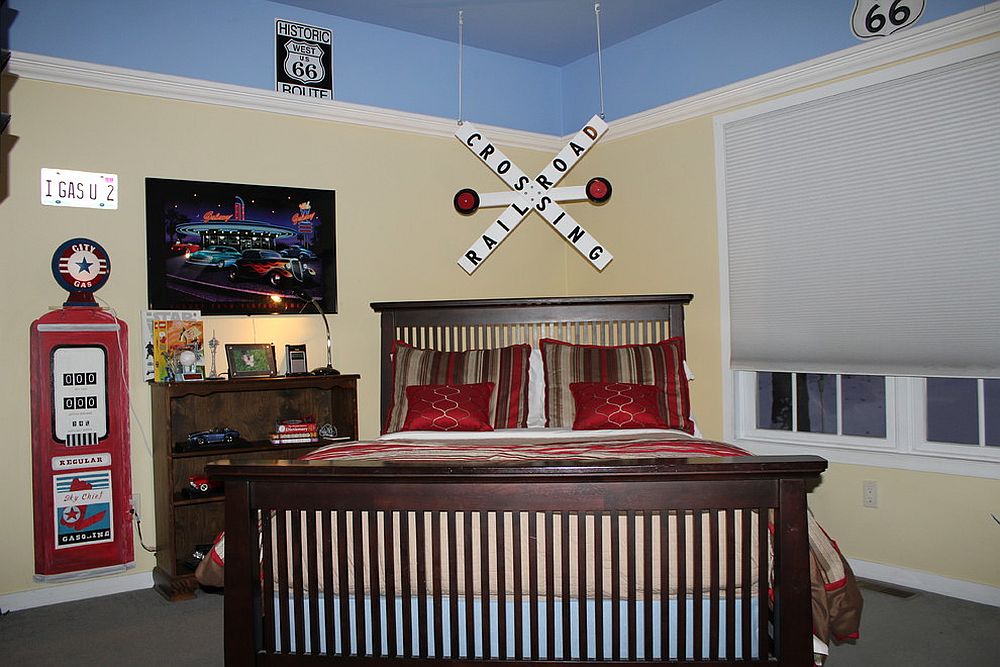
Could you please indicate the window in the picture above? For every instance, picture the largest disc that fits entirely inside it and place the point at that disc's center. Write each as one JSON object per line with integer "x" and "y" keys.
{"x": 823, "y": 403}
{"x": 963, "y": 411}
{"x": 857, "y": 233}
{"x": 916, "y": 421}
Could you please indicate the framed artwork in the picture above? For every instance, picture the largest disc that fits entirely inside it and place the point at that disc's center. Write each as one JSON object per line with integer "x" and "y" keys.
{"x": 251, "y": 360}
{"x": 234, "y": 249}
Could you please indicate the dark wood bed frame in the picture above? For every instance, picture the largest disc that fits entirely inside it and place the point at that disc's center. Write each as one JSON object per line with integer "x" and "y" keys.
{"x": 632, "y": 492}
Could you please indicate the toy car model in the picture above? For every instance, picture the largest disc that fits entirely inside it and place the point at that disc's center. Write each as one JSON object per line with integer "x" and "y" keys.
{"x": 202, "y": 484}
{"x": 269, "y": 266}
{"x": 298, "y": 252}
{"x": 214, "y": 436}
{"x": 183, "y": 248}
{"x": 219, "y": 256}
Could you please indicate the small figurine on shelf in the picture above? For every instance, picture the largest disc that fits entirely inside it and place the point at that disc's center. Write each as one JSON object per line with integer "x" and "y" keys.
{"x": 213, "y": 345}
{"x": 218, "y": 436}
{"x": 201, "y": 484}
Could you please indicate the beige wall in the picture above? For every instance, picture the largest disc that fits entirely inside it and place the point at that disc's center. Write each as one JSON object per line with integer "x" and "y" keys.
{"x": 398, "y": 239}
{"x": 661, "y": 226}
{"x": 663, "y": 231}
{"x": 925, "y": 521}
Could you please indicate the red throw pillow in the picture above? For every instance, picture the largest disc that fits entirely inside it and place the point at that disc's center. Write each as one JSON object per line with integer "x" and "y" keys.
{"x": 659, "y": 364}
{"x": 505, "y": 367}
{"x": 448, "y": 407}
{"x": 604, "y": 405}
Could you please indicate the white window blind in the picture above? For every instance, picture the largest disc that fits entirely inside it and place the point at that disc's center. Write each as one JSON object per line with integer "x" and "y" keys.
{"x": 863, "y": 226}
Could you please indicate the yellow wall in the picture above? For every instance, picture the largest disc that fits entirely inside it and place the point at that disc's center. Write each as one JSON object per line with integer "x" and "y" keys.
{"x": 661, "y": 226}
{"x": 925, "y": 521}
{"x": 398, "y": 239}
{"x": 665, "y": 238}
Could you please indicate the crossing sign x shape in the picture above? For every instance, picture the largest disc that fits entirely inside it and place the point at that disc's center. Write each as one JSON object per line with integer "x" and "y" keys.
{"x": 539, "y": 194}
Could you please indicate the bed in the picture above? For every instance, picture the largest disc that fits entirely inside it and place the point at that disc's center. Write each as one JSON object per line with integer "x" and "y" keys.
{"x": 611, "y": 546}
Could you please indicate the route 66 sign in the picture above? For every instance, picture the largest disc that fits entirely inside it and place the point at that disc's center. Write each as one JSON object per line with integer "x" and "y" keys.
{"x": 878, "y": 18}
{"x": 303, "y": 59}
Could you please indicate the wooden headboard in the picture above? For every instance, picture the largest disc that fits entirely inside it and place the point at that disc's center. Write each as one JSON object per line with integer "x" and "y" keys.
{"x": 488, "y": 323}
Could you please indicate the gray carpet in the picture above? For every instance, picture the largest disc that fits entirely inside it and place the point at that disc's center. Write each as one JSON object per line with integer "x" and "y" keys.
{"x": 134, "y": 628}
{"x": 140, "y": 628}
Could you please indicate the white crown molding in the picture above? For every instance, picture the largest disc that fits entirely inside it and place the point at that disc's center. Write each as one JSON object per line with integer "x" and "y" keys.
{"x": 926, "y": 581}
{"x": 944, "y": 33}
{"x": 941, "y": 34}
{"x": 122, "y": 80}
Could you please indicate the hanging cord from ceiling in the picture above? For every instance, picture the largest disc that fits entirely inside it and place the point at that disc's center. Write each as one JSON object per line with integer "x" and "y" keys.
{"x": 461, "y": 27}
{"x": 461, "y": 37}
{"x": 600, "y": 62}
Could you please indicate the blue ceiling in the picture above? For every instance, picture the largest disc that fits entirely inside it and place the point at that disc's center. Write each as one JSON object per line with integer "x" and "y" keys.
{"x": 554, "y": 32}
{"x": 401, "y": 54}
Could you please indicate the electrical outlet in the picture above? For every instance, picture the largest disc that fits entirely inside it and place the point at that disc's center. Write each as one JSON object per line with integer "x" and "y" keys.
{"x": 869, "y": 494}
{"x": 135, "y": 504}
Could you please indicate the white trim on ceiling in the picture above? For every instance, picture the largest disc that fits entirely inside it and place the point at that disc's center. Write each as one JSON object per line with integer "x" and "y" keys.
{"x": 944, "y": 33}
{"x": 941, "y": 34}
{"x": 122, "y": 80}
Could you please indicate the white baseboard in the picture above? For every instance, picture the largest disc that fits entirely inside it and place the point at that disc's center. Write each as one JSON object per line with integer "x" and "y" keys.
{"x": 927, "y": 581}
{"x": 82, "y": 590}
{"x": 890, "y": 574}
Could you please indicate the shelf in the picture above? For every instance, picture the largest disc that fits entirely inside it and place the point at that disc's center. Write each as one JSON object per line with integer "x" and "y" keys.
{"x": 251, "y": 406}
{"x": 256, "y": 446}
{"x": 181, "y": 500}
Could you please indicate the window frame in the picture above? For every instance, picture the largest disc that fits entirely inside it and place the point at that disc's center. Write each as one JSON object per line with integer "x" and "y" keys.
{"x": 905, "y": 446}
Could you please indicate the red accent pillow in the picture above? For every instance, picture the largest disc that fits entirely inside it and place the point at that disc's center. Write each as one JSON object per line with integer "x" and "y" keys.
{"x": 448, "y": 407}
{"x": 659, "y": 364}
{"x": 604, "y": 405}
{"x": 505, "y": 367}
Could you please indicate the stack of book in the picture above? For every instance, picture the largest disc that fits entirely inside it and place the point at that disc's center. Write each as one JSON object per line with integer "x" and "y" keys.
{"x": 295, "y": 431}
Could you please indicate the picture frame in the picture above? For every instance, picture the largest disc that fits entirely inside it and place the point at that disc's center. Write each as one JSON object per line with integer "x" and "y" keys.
{"x": 240, "y": 249}
{"x": 251, "y": 360}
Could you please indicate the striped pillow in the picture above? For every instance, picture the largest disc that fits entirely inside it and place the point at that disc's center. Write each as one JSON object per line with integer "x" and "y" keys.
{"x": 505, "y": 367}
{"x": 658, "y": 364}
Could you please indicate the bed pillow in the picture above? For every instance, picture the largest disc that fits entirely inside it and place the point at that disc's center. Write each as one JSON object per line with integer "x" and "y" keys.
{"x": 659, "y": 364}
{"x": 536, "y": 390}
{"x": 448, "y": 407}
{"x": 505, "y": 367}
{"x": 613, "y": 405}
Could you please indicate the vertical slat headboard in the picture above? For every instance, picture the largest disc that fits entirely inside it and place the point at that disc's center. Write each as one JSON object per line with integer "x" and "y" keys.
{"x": 457, "y": 325}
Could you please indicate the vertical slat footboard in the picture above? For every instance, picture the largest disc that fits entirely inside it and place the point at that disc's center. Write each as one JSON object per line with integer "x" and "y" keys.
{"x": 686, "y": 560}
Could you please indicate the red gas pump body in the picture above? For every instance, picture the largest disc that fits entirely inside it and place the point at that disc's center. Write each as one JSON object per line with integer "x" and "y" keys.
{"x": 81, "y": 458}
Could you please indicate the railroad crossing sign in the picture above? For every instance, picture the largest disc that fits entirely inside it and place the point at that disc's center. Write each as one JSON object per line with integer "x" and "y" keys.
{"x": 539, "y": 194}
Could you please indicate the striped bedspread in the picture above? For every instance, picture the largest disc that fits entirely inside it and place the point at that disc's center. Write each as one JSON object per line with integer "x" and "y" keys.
{"x": 503, "y": 448}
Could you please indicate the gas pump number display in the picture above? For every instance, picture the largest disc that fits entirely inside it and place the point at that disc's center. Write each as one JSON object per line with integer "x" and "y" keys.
{"x": 79, "y": 395}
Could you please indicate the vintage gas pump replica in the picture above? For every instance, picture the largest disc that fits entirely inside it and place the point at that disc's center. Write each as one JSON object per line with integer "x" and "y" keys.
{"x": 81, "y": 461}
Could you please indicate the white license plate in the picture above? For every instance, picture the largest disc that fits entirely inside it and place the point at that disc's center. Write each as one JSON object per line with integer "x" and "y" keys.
{"x": 81, "y": 189}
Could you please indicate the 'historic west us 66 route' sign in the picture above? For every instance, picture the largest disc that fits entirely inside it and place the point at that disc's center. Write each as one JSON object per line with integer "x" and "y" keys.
{"x": 303, "y": 59}
{"x": 539, "y": 194}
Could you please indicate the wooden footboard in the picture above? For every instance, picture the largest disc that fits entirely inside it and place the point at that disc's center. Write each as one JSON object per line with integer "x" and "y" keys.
{"x": 618, "y": 562}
